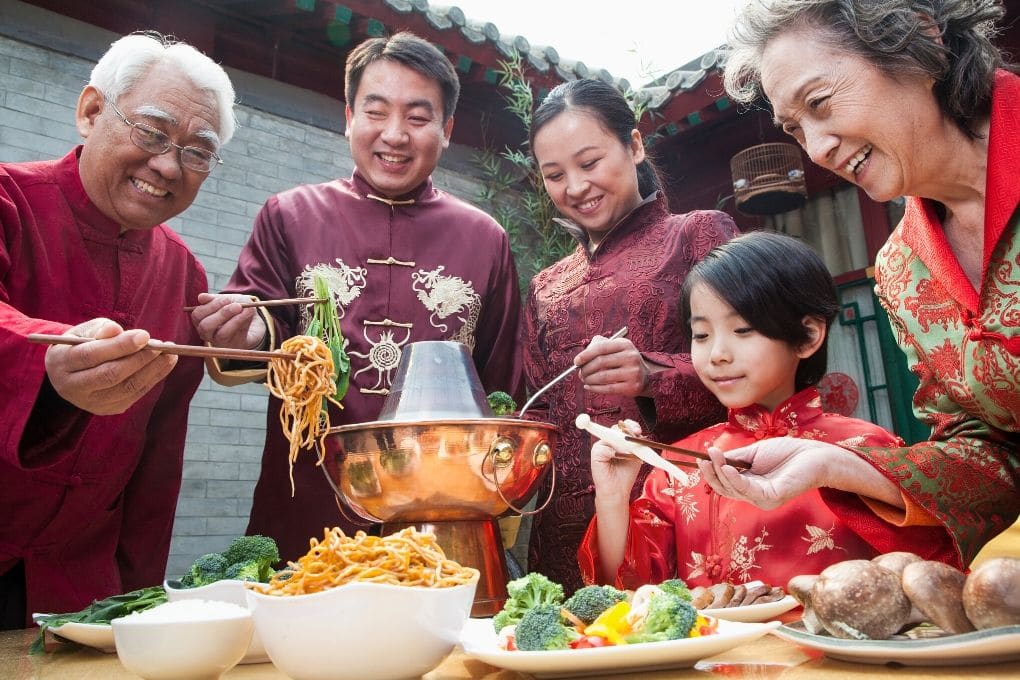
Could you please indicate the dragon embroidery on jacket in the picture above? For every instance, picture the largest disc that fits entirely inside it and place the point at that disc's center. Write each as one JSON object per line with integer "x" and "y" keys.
{"x": 345, "y": 285}
{"x": 446, "y": 296}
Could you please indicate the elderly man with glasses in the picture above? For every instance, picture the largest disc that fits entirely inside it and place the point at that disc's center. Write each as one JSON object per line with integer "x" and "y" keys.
{"x": 92, "y": 436}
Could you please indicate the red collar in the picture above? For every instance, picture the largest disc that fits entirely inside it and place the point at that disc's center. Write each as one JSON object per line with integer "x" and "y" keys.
{"x": 789, "y": 417}
{"x": 921, "y": 228}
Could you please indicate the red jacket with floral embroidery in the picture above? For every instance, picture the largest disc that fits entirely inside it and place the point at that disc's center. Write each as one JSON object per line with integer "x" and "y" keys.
{"x": 686, "y": 530}
{"x": 964, "y": 346}
{"x": 632, "y": 279}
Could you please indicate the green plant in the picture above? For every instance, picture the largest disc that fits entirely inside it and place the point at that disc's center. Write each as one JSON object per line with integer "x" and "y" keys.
{"x": 514, "y": 190}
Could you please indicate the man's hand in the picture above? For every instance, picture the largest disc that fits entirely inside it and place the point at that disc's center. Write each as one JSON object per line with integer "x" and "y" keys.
{"x": 223, "y": 322}
{"x": 107, "y": 376}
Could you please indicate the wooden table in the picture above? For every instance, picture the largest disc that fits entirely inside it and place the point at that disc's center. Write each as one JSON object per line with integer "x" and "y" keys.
{"x": 768, "y": 657}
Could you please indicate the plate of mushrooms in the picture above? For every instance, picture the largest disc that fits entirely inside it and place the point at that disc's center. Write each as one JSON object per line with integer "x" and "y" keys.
{"x": 900, "y": 608}
{"x": 750, "y": 602}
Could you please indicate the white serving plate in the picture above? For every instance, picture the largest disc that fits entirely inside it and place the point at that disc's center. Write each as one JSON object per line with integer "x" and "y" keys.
{"x": 993, "y": 645}
{"x": 479, "y": 640}
{"x": 753, "y": 613}
{"x": 96, "y": 635}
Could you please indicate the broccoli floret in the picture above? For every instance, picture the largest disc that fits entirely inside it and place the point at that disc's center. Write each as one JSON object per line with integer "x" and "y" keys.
{"x": 669, "y": 617}
{"x": 588, "y": 602}
{"x": 676, "y": 587}
{"x": 261, "y": 550}
{"x": 542, "y": 628}
{"x": 245, "y": 571}
{"x": 501, "y": 403}
{"x": 206, "y": 569}
{"x": 524, "y": 593}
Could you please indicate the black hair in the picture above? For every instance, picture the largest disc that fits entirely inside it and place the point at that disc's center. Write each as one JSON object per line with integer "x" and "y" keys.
{"x": 411, "y": 51}
{"x": 610, "y": 108}
{"x": 772, "y": 281}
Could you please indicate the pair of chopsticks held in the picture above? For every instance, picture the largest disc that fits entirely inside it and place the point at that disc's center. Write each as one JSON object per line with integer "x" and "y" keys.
{"x": 628, "y": 445}
{"x": 195, "y": 350}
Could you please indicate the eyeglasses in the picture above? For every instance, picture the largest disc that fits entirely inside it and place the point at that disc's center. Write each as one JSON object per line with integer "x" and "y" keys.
{"x": 153, "y": 141}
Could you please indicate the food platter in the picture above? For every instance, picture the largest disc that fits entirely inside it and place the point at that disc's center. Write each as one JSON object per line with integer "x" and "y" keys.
{"x": 95, "y": 635}
{"x": 928, "y": 646}
{"x": 479, "y": 641}
{"x": 754, "y": 613}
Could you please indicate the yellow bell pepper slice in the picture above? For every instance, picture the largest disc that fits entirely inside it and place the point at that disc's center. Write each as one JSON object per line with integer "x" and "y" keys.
{"x": 612, "y": 624}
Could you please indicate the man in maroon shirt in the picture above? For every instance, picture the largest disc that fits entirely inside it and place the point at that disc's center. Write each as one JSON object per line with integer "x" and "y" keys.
{"x": 92, "y": 436}
{"x": 404, "y": 261}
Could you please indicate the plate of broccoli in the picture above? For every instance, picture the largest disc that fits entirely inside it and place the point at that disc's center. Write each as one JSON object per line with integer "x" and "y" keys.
{"x": 600, "y": 629}
{"x": 247, "y": 558}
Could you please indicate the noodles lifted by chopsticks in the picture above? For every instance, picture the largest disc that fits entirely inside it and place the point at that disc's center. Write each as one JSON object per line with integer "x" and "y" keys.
{"x": 405, "y": 558}
{"x": 302, "y": 384}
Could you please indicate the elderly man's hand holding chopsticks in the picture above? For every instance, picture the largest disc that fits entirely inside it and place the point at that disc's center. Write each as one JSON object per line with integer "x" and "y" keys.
{"x": 222, "y": 320}
{"x": 110, "y": 374}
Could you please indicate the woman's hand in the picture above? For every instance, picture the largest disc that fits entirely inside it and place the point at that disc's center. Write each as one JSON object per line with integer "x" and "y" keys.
{"x": 612, "y": 367}
{"x": 785, "y": 467}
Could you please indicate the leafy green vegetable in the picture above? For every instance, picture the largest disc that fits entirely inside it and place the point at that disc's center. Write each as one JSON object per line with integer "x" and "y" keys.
{"x": 542, "y": 628}
{"x": 325, "y": 324}
{"x": 669, "y": 617}
{"x": 588, "y": 602}
{"x": 207, "y": 569}
{"x": 100, "y": 612}
{"x": 501, "y": 403}
{"x": 524, "y": 593}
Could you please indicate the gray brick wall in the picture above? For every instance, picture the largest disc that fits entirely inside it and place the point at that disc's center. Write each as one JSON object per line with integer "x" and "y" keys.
{"x": 285, "y": 137}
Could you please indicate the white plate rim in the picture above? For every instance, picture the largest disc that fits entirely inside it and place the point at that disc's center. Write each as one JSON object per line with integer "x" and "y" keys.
{"x": 754, "y": 613}
{"x": 97, "y": 635}
{"x": 988, "y": 646}
{"x": 478, "y": 640}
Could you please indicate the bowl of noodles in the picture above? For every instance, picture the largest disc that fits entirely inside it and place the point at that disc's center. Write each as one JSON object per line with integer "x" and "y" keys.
{"x": 364, "y": 607}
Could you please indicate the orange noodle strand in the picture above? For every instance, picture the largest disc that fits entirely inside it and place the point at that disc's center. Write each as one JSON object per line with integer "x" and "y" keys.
{"x": 303, "y": 384}
{"x": 405, "y": 558}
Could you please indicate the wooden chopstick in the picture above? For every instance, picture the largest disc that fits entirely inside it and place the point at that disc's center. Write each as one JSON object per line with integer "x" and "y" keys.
{"x": 674, "y": 461}
{"x": 740, "y": 465}
{"x": 171, "y": 348}
{"x": 273, "y": 303}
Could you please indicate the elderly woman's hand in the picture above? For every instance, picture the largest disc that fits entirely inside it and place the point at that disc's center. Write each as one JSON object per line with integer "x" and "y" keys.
{"x": 222, "y": 322}
{"x": 786, "y": 467}
{"x": 107, "y": 376}
{"x": 612, "y": 367}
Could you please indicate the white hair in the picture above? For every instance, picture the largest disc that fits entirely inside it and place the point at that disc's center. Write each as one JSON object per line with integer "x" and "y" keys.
{"x": 131, "y": 57}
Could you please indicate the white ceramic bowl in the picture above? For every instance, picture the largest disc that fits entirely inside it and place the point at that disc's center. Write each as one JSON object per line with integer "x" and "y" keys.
{"x": 362, "y": 631}
{"x": 203, "y": 648}
{"x": 228, "y": 590}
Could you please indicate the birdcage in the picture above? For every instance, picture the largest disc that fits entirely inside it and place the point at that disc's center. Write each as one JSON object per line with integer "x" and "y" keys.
{"x": 768, "y": 179}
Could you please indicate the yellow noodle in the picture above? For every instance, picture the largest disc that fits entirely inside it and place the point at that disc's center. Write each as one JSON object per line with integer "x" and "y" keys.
{"x": 302, "y": 384}
{"x": 405, "y": 558}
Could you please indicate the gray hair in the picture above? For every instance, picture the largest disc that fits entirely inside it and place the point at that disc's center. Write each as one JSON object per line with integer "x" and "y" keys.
{"x": 949, "y": 41}
{"x": 131, "y": 57}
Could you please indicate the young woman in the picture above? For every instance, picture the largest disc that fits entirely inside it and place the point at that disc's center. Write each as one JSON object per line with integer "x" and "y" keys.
{"x": 631, "y": 259}
{"x": 758, "y": 311}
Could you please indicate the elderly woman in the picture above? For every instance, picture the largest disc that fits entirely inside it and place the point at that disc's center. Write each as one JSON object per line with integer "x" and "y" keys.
{"x": 909, "y": 98}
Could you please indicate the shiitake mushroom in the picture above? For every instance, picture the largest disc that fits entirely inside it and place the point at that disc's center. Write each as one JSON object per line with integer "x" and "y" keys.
{"x": 991, "y": 593}
{"x": 859, "y": 599}
{"x": 936, "y": 589}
